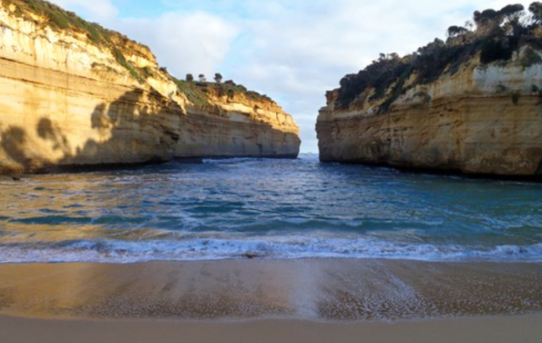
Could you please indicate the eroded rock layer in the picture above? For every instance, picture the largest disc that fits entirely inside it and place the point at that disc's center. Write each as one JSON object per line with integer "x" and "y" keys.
{"x": 76, "y": 96}
{"x": 483, "y": 119}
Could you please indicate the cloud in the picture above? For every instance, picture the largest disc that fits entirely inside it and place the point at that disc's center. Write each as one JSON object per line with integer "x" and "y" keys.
{"x": 96, "y": 9}
{"x": 184, "y": 43}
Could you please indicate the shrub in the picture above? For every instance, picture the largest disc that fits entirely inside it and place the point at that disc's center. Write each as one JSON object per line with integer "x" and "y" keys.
{"x": 147, "y": 72}
{"x": 536, "y": 11}
{"x": 530, "y": 58}
{"x": 454, "y": 31}
{"x": 192, "y": 92}
{"x": 199, "y": 92}
{"x": 496, "y": 49}
{"x": 121, "y": 59}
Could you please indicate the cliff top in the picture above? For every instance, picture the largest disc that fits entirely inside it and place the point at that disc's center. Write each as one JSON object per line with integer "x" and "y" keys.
{"x": 202, "y": 93}
{"x": 47, "y": 15}
{"x": 494, "y": 36}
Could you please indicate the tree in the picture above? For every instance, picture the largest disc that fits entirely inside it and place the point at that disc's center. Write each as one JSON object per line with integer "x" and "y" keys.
{"x": 512, "y": 12}
{"x": 218, "y": 78}
{"x": 202, "y": 78}
{"x": 454, "y": 31}
{"x": 482, "y": 18}
{"x": 512, "y": 15}
{"x": 489, "y": 20}
{"x": 189, "y": 77}
{"x": 432, "y": 48}
{"x": 536, "y": 10}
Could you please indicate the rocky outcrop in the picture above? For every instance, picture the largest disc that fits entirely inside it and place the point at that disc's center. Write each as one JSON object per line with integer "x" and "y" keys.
{"x": 480, "y": 119}
{"x": 75, "y": 94}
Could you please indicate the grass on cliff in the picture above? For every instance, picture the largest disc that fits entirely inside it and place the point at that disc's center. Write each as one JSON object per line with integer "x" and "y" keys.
{"x": 59, "y": 19}
{"x": 193, "y": 92}
{"x": 199, "y": 92}
{"x": 494, "y": 35}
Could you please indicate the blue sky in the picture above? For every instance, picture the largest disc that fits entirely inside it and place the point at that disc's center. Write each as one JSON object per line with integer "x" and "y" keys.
{"x": 291, "y": 50}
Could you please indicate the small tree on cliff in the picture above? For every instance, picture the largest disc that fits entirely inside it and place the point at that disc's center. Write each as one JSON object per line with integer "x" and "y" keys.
{"x": 512, "y": 12}
{"x": 189, "y": 77}
{"x": 202, "y": 78}
{"x": 486, "y": 21}
{"x": 454, "y": 31}
{"x": 536, "y": 11}
{"x": 490, "y": 21}
{"x": 218, "y": 78}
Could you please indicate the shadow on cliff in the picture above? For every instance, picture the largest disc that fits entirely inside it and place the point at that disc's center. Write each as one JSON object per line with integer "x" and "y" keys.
{"x": 128, "y": 131}
{"x": 134, "y": 129}
{"x": 139, "y": 127}
{"x": 13, "y": 140}
{"x": 48, "y": 131}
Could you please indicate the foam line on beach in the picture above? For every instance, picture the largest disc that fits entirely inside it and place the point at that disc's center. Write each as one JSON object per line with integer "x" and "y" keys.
{"x": 211, "y": 246}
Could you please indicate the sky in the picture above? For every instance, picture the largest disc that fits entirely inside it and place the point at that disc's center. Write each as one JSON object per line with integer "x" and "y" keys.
{"x": 292, "y": 50}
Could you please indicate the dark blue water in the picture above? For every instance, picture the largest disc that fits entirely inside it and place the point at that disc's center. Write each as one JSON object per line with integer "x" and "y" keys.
{"x": 274, "y": 209}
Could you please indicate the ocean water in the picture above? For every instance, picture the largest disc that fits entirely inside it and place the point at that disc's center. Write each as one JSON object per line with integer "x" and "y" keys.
{"x": 267, "y": 209}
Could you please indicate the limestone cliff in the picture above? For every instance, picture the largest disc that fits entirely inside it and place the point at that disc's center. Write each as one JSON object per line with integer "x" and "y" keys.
{"x": 469, "y": 116}
{"x": 227, "y": 121}
{"x": 75, "y": 94}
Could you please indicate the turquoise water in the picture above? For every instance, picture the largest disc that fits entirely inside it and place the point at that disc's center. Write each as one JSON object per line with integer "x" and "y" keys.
{"x": 269, "y": 209}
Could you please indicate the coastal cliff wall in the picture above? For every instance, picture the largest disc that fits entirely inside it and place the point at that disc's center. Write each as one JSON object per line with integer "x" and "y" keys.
{"x": 481, "y": 119}
{"x": 75, "y": 94}
{"x": 232, "y": 125}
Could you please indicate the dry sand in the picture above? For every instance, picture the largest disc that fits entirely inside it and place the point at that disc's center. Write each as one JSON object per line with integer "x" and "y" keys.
{"x": 376, "y": 300}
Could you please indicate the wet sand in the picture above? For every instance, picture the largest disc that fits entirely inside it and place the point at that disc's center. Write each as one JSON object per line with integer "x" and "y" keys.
{"x": 258, "y": 300}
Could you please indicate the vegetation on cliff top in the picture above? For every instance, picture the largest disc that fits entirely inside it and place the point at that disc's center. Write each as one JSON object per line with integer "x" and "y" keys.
{"x": 494, "y": 35}
{"x": 59, "y": 19}
{"x": 199, "y": 92}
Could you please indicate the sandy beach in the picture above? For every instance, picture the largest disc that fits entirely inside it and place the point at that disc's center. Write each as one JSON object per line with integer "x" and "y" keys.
{"x": 314, "y": 289}
{"x": 270, "y": 301}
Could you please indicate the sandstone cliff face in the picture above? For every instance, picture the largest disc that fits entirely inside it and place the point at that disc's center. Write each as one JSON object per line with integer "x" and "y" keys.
{"x": 237, "y": 126}
{"x": 67, "y": 100}
{"x": 484, "y": 119}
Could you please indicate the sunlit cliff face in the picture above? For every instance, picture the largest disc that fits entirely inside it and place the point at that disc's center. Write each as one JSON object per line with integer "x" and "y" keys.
{"x": 71, "y": 99}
